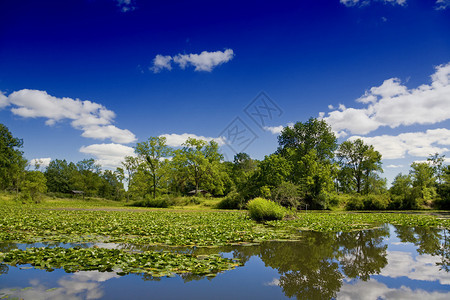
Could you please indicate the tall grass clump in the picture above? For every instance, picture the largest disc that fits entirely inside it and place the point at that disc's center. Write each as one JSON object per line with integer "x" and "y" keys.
{"x": 264, "y": 210}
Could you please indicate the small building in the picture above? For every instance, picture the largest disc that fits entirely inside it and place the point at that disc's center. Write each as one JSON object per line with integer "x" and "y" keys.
{"x": 194, "y": 192}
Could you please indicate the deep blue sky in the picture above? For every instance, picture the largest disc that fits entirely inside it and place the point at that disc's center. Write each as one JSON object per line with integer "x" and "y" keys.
{"x": 305, "y": 55}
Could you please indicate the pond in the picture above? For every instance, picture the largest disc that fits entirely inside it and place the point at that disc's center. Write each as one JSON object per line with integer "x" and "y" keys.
{"x": 389, "y": 262}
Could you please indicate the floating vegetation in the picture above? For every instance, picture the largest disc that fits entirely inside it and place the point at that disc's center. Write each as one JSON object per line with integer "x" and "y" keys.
{"x": 174, "y": 228}
{"x": 156, "y": 264}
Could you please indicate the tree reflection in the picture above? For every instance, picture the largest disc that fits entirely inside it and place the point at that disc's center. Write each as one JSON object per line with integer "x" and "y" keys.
{"x": 428, "y": 240}
{"x": 362, "y": 252}
{"x": 309, "y": 268}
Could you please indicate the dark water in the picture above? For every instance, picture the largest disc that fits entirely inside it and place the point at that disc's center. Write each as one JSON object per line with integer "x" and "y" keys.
{"x": 384, "y": 263}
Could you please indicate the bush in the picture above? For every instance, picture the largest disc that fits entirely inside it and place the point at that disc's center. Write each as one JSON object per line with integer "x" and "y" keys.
{"x": 355, "y": 203}
{"x": 264, "y": 210}
{"x": 368, "y": 202}
{"x": 376, "y": 202}
{"x": 158, "y": 202}
{"x": 232, "y": 201}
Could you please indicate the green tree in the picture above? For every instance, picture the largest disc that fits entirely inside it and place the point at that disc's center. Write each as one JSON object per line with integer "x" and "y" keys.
{"x": 154, "y": 153}
{"x": 60, "y": 174}
{"x": 12, "y": 163}
{"x": 358, "y": 162}
{"x": 310, "y": 148}
{"x": 423, "y": 182}
{"x": 130, "y": 166}
{"x": 34, "y": 186}
{"x": 401, "y": 191}
{"x": 199, "y": 163}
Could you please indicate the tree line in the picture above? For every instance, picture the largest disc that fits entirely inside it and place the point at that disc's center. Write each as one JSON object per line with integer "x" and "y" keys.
{"x": 309, "y": 169}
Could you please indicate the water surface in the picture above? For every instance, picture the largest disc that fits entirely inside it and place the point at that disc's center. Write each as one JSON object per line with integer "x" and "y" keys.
{"x": 390, "y": 262}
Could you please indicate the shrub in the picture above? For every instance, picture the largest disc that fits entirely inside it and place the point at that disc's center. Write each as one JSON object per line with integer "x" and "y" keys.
{"x": 150, "y": 202}
{"x": 376, "y": 202}
{"x": 232, "y": 201}
{"x": 264, "y": 210}
{"x": 355, "y": 203}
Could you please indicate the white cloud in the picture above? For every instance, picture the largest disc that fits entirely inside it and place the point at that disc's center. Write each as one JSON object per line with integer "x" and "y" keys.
{"x": 161, "y": 62}
{"x": 394, "y": 166}
{"x": 360, "y": 3}
{"x": 126, "y": 5}
{"x": 42, "y": 162}
{"x": 108, "y": 155}
{"x": 423, "y": 267}
{"x": 274, "y": 129}
{"x": 109, "y": 132}
{"x": 393, "y": 104}
{"x": 3, "y": 100}
{"x": 442, "y": 4}
{"x": 92, "y": 118}
{"x": 176, "y": 140}
{"x": 205, "y": 61}
{"x": 372, "y": 289}
{"x": 419, "y": 144}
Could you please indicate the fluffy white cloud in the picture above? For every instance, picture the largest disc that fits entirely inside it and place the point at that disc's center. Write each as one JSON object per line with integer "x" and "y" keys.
{"x": 176, "y": 140}
{"x": 274, "y": 129}
{"x": 92, "y": 118}
{"x": 393, "y": 104}
{"x": 205, "y": 61}
{"x": 109, "y": 132}
{"x": 419, "y": 144}
{"x": 349, "y": 3}
{"x": 3, "y": 100}
{"x": 373, "y": 289}
{"x": 42, "y": 162}
{"x": 161, "y": 62}
{"x": 108, "y": 155}
{"x": 423, "y": 267}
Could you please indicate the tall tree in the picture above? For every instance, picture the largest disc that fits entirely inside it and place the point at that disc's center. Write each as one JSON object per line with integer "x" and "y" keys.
{"x": 12, "y": 163}
{"x": 199, "y": 162}
{"x": 359, "y": 161}
{"x": 310, "y": 148}
{"x": 130, "y": 165}
{"x": 423, "y": 182}
{"x": 154, "y": 153}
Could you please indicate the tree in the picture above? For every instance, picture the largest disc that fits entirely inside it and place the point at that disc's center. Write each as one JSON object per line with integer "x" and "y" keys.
{"x": 60, "y": 176}
{"x": 153, "y": 153}
{"x": 130, "y": 165}
{"x": 358, "y": 161}
{"x": 401, "y": 191}
{"x": 310, "y": 148}
{"x": 423, "y": 182}
{"x": 199, "y": 163}
{"x": 304, "y": 137}
{"x": 33, "y": 186}
{"x": 12, "y": 163}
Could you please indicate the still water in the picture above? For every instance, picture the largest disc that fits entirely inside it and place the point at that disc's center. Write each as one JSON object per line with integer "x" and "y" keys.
{"x": 390, "y": 262}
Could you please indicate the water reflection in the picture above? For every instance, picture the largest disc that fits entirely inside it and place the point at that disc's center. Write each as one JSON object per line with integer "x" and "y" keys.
{"x": 386, "y": 262}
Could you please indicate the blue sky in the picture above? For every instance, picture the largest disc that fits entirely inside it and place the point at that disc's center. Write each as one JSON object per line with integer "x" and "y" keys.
{"x": 90, "y": 78}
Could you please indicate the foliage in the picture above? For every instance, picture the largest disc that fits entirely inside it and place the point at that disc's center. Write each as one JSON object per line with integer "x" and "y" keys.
{"x": 310, "y": 147}
{"x": 33, "y": 186}
{"x": 265, "y": 210}
{"x": 152, "y": 263}
{"x": 358, "y": 163}
{"x": 368, "y": 202}
{"x": 159, "y": 202}
{"x": 231, "y": 201}
{"x": 153, "y": 155}
{"x": 198, "y": 165}
{"x": 287, "y": 194}
{"x": 12, "y": 163}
